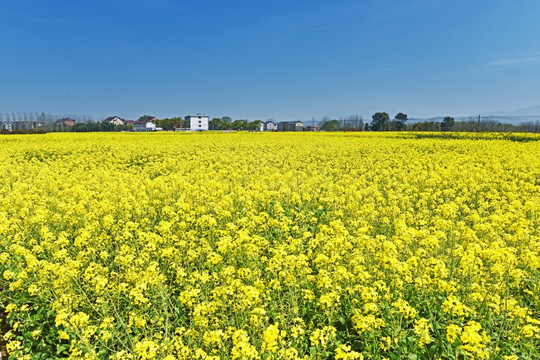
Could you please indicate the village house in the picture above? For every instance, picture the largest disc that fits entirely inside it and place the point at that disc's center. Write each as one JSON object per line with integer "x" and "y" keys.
{"x": 65, "y": 121}
{"x": 270, "y": 126}
{"x": 23, "y": 125}
{"x": 291, "y": 126}
{"x": 143, "y": 126}
{"x": 296, "y": 126}
{"x": 148, "y": 118}
{"x": 198, "y": 122}
{"x": 115, "y": 120}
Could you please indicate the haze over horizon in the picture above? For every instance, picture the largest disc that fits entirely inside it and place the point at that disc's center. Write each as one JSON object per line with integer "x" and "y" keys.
{"x": 280, "y": 59}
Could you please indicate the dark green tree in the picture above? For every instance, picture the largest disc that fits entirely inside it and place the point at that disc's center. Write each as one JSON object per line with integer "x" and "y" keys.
{"x": 254, "y": 125}
{"x": 169, "y": 123}
{"x": 331, "y": 125}
{"x": 380, "y": 121}
{"x": 399, "y": 122}
{"x": 239, "y": 125}
{"x": 145, "y": 118}
{"x": 215, "y": 124}
{"x": 447, "y": 124}
{"x": 427, "y": 126}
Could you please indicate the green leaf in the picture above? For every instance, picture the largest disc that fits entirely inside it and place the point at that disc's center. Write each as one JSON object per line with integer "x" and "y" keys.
{"x": 61, "y": 349}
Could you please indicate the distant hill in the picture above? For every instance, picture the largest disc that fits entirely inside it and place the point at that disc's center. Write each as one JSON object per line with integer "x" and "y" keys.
{"x": 527, "y": 111}
{"x": 516, "y": 117}
{"x": 413, "y": 120}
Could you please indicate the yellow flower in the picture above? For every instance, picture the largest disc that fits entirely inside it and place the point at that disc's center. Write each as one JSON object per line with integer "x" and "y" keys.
{"x": 321, "y": 337}
{"x": 474, "y": 340}
{"x": 242, "y": 349}
{"x": 249, "y": 245}
{"x": 421, "y": 328}
{"x": 453, "y": 306}
{"x": 270, "y": 339}
{"x": 344, "y": 352}
{"x": 404, "y": 308}
{"x": 452, "y": 332}
{"x": 146, "y": 349}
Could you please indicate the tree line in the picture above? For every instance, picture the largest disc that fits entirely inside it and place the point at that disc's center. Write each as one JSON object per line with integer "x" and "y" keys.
{"x": 226, "y": 123}
{"x": 475, "y": 125}
{"x": 222, "y": 123}
{"x": 380, "y": 121}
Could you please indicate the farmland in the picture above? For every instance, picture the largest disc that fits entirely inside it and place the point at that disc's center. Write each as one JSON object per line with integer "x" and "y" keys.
{"x": 269, "y": 246}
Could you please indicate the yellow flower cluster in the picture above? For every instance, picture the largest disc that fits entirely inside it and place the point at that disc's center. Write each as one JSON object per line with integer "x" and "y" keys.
{"x": 270, "y": 246}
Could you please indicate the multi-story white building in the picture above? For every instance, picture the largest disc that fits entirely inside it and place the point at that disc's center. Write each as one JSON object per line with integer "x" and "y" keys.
{"x": 198, "y": 122}
{"x": 270, "y": 126}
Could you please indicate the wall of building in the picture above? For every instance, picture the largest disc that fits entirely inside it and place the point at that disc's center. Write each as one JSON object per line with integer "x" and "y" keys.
{"x": 198, "y": 123}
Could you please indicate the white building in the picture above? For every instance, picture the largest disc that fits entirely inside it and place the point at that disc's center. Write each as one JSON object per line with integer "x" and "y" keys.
{"x": 144, "y": 126}
{"x": 115, "y": 120}
{"x": 291, "y": 126}
{"x": 198, "y": 122}
{"x": 270, "y": 126}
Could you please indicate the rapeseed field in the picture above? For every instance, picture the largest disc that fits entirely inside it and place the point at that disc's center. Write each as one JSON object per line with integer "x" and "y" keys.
{"x": 269, "y": 246}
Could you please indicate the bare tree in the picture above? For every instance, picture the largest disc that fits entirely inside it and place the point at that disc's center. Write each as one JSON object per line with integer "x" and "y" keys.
{"x": 355, "y": 122}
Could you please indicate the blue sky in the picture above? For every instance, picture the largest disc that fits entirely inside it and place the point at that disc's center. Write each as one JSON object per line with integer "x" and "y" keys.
{"x": 259, "y": 59}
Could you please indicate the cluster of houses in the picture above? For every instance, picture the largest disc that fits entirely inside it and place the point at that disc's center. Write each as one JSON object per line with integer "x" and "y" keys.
{"x": 149, "y": 124}
{"x": 198, "y": 122}
{"x": 287, "y": 126}
{"x": 33, "y": 125}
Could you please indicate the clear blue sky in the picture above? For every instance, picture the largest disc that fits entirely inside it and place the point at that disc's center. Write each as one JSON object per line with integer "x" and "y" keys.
{"x": 259, "y": 59}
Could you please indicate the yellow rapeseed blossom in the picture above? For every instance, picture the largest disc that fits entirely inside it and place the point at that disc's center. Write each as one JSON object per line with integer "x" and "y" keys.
{"x": 270, "y": 245}
{"x": 452, "y": 332}
{"x": 474, "y": 340}
{"x": 270, "y": 339}
{"x": 453, "y": 306}
{"x": 404, "y": 308}
{"x": 344, "y": 352}
{"x": 321, "y": 337}
{"x": 421, "y": 328}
